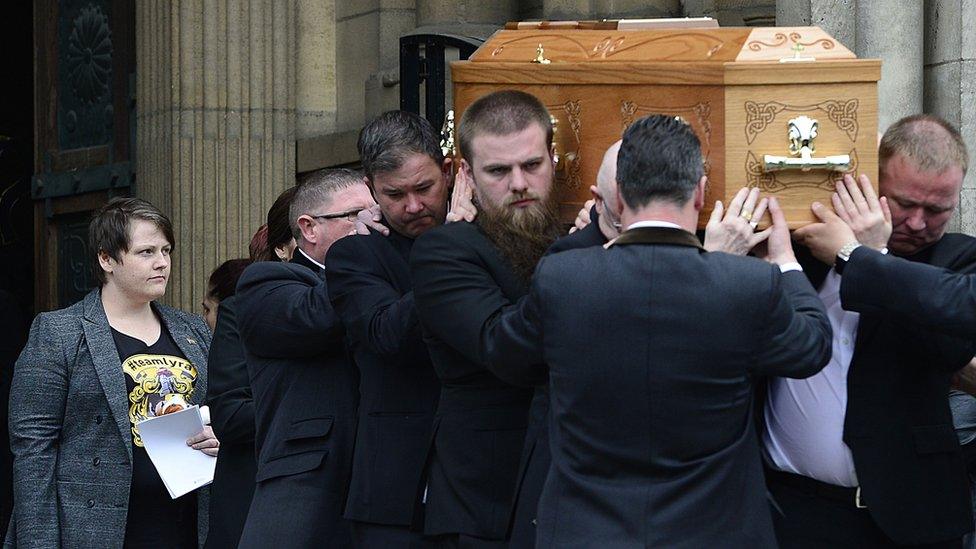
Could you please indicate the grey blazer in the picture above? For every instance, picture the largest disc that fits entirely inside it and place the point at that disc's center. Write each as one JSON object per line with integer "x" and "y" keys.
{"x": 69, "y": 427}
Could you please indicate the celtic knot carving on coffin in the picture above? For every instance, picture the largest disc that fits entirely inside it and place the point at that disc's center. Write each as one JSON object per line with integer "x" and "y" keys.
{"x": 573, "y": 112}
{"x": 761, "y": 115}
{"x": 698, "y": 115}
{"x": 756, "y": 176}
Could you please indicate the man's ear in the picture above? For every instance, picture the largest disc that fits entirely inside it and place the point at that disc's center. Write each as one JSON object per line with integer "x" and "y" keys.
{"x": 369, "y": 185}
{"x": 307, "y": 227}
{"x": 282, "y": 253}
{"x": 620, "y": 202}
{"x": 105, "y": 261}
{"x": 700, "y": 193}
{"x": 595, "y": 191}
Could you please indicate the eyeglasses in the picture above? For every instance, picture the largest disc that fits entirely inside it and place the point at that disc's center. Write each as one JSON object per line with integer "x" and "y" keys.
{"x": 350, "y": 215}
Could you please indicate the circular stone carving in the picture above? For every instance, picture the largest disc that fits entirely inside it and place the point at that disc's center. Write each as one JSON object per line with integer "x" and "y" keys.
{"x": 89, "y": 54}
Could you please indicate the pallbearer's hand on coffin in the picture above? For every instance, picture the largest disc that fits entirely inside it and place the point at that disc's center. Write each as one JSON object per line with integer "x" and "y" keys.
{"x": 855, "y": 208}
{"x": 733, "y": 231}
{"x": 778, "y": 247}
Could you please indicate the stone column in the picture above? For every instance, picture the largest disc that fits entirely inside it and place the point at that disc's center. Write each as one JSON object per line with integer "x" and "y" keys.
{"x": 950, "y": 86}
{"x": 316, "y": 99}
{"x": 452, "y": 12}
{"x": 738, "y": 13}
{"x": 892, "y": 31}
{"x": 836, "y": 17}
{"x": 215, "y": 104}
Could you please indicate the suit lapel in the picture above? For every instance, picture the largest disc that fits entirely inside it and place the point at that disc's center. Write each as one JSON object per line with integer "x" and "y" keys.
{"x": 108, "y": 367}
{"x": 192, "y": 348}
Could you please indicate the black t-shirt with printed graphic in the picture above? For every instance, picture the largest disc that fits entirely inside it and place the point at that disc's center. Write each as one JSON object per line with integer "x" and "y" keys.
{"x": 157, "y": 376}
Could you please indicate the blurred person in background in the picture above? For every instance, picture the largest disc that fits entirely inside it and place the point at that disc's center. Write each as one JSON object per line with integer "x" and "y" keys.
{"x": 221, "y": 285}
{"x": 231, "y": 403}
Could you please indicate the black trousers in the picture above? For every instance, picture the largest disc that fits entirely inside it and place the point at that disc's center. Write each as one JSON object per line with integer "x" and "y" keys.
{"x": 807, "y": 521}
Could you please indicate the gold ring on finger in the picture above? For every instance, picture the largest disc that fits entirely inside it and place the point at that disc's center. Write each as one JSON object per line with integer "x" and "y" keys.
{"x": 747, "y": 215}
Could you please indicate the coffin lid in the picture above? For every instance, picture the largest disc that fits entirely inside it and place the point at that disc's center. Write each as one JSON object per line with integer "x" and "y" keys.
{"x": 699, "y": 45}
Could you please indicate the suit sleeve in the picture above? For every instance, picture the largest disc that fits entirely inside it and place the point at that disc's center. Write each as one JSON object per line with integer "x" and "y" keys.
{"x": 512, "y": 340}
{"x": 797, "y": 336}
{"x": 37, "y": 401}
{"x": 371, "y": 308}
{"x": 230, "y": 401}
{"x": 454, "y": 293}
{"x": 284, "y": 314}
{"x": 930, "y": 296}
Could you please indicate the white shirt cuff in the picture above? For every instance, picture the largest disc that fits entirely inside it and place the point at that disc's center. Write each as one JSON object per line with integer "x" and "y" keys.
{"x": 792, "y": 266}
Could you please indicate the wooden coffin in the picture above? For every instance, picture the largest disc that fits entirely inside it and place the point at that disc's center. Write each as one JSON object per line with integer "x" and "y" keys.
{"x": 739, "y": 88}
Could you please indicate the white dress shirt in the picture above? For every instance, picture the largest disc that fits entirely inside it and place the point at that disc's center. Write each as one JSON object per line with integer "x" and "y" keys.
{"x": 805, "y": 417}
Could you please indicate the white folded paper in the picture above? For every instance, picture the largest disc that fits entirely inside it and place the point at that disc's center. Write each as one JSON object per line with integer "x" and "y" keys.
{"x": 182, "y": 468}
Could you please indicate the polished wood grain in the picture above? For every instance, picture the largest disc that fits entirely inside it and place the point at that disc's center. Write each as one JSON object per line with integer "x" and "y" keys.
{"x": 775, "y": 43}
{"x": 700, "y": 73}
{"x": 756, "y": 125}
{"x": 738, "y": 109}
{"x": 561, "y": 46}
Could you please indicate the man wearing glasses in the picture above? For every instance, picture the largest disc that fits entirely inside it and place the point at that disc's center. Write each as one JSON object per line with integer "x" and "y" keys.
{"x": 304, "y": 385}
{"x": 325, "y": 210}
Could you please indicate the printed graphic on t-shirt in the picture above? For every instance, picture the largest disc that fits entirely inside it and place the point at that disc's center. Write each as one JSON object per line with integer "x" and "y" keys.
{"x": 163, "y": 384}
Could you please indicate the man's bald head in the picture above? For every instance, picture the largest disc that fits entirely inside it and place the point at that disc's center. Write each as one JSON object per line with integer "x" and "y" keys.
{"x": 606, "y": 191}
{"x": 606, "y": 178}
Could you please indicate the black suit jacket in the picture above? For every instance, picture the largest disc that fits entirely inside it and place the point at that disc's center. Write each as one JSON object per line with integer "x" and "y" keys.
{"x": 232, "y": 419}
{"x": 534, "y": 464}
{"x": 370, "y": 287}
{"x": 941, "y": 299}
{"x": 305, "y": 391}
{"x": 898, "y": 424}
{"x": 460, "y": 280}
{"x": 653, "y": 442}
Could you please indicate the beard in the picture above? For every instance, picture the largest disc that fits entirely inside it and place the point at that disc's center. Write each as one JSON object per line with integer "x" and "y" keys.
{"x": 522, "y": 235}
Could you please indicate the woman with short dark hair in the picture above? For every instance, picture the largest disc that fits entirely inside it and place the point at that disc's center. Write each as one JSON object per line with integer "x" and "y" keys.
{"x": 88, "y": 376}
{"x": 221, "y": 285}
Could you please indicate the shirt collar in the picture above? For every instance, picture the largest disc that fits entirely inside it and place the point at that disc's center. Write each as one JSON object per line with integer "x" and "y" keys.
{"x": 308, "y": 257}
{"x": 653, "y": 223}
